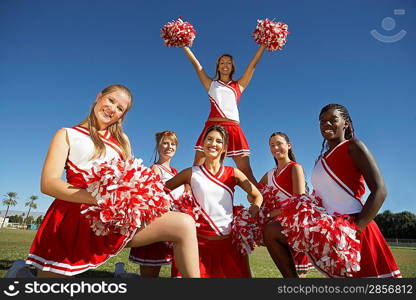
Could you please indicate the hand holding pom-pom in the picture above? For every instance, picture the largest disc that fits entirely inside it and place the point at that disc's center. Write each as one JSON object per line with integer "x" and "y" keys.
{"x": 129, "y": 195}
{"x": 186, "y": 204}
{"x": 243, "y": 230}
{"x": 178, "y": 33}
{"x": 273, "y": 35}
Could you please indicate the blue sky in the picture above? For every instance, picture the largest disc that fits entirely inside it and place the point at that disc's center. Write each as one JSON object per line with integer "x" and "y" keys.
{"x": 55, "y": 56}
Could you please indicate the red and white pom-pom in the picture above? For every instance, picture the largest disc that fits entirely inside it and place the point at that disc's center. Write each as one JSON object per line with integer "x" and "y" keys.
{"x": 129, "y": 195}
{"x": 271, "y": 34}
{"x": 271, "y": 201}
{"x": 243, "y": 230}
{"x": 186, "y": 204}
{"x": 330, "y": 240}
{"x": 178, "y": 33}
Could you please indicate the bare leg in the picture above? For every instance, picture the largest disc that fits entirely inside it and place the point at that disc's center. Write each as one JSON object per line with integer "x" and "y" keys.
{"x": 199, "y": 158}
{"x": 278, "y": 249}
{"x": 248, "y": 267}
{"x": 149, "y": 271}
{"x": 243, "y": 164}
{"x": 178, "y": 228}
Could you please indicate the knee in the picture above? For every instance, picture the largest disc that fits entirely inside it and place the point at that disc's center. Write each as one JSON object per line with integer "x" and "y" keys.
{"x": 186, "y": 224}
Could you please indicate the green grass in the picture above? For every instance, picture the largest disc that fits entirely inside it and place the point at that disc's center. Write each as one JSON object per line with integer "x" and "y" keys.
{"x": 15, "y": 244}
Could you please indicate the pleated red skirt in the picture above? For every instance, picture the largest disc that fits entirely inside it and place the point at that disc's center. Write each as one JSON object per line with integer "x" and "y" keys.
{"x": 376, "y": 257}
{"x": 302, "y": 262}
{"x": 66, "y": 245}
{"x": 219, "y": 259}
{"x": 157, "y": 254}
{"x": 237, "y": 142}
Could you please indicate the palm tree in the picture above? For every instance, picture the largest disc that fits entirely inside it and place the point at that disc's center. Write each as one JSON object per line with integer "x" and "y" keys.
{"x": 31, "y": 203}
{"x": 10, "y": 200}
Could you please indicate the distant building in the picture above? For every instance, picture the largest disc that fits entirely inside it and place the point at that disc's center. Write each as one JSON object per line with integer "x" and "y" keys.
{"x": 6, "y": 222}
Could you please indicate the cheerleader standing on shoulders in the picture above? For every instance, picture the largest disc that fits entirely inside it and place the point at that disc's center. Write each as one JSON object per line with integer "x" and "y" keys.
{"x": 287, "y": 177}
{"x": 338, "y": 180}
{"x": 152, "y": 257}
{"x": 65, "y": 245}
{"x": 224, "y": 95}
{"x": 212, "y": 186}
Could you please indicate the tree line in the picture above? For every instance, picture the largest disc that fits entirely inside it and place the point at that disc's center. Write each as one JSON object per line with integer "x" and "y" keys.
{"x": 28, "y": 220}
{"x": 10, "y": 199}
{"x": 400, "y": 225}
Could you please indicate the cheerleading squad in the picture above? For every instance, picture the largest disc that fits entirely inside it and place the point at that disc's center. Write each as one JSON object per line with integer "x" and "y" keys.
{"x": 65, "y": 245}
{"x": 191, "y": 221}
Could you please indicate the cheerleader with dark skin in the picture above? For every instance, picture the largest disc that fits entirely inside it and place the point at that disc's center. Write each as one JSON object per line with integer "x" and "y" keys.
{"x": 336, "y": 127}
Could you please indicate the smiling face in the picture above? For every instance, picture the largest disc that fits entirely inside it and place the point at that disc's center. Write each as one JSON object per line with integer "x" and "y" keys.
{"x": 167, "y": 148}
{"x": 333, "y": 125}
{"x": 279, "y": 147}
{"x": 225, "y": 66}
{"x": 110, "y": 107}
{"x": 214, "y": 145}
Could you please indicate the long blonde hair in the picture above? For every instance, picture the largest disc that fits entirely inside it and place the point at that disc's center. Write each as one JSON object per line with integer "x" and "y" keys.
{"x": 115, "y": 129}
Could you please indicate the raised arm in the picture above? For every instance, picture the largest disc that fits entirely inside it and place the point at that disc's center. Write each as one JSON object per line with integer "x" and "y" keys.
{"x": 248, "y": 74}
{"x": 367, "y": 165}
{"x": 253, "y": 194}
{"x": 51, "y": 182}
{"x": 203, "y": 77}
{"x": 183, "y": 177}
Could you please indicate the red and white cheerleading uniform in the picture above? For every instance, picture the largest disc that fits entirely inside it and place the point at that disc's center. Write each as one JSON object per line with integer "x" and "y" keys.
{"x": 283, "y": 182}
{"x": 224, "y": 99}
{"x": 157, "y": 254}
{"x": 65, "y": 243}
{"x": 340, "y": 186}
{"x": 214, "y": 194}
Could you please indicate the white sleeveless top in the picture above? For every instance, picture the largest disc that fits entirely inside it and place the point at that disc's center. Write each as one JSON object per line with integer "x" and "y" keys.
{"x": 167, "y": 174}
{"x": 81, "y": 149}
{"x": 329, "y": 188}
{"x": 224, "y": 99}
{"x": 214, "y": 197}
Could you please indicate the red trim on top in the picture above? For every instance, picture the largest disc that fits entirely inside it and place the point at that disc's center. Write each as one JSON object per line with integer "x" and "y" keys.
{"x": 173, "y": 172}
{"x": 72, "y": 165}
{"x": 211, "y": 223}
{"x": 280, "y": 188}
{"x": 337, "y": 180}
{"x": 332, "y": 151}
{"x": 216, "y": 106}
{"x": 219, "y": 173}
{"x": 105, "y": 141}
{"x": 276, "y": 176}
{"x": 230, "y": 87}
{"x": 215, "y": 180}
{"x": 82, "y": 131}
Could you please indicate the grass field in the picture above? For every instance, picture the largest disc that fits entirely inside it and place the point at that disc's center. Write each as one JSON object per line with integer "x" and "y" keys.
{"x": 15, "y": 244}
